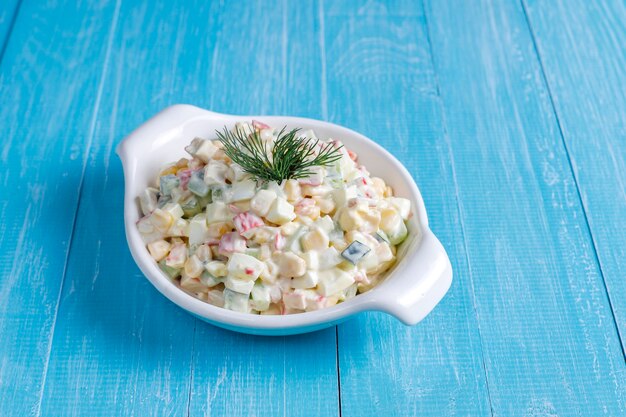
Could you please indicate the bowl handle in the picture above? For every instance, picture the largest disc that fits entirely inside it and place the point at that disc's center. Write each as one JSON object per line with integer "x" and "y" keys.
{"x": 169, "y": 118}
{"x": 418, "y": 284}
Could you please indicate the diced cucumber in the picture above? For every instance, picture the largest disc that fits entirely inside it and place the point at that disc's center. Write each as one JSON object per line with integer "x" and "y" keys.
{"x": 344, "y": 194}
{"x": 210, "y": 280}
{"x": 293, "y": 242}
{"x": 325, "y": 223}
{"x": 190, "y": 206}
{"x": 260, "y": 297}
{"x": 308, "y": 280}
{"x": 238, "y": 285}
{"x": 381, "y": 236}
{"x": 333, "y": 281}
{"x": 167, "y": 183}
{"x": 244, "y": 267}
{"x": 254, "y": 252}
{"x": 281, "y": 212}
{"x": 402, "y": 205}
{"x": 204, "y": 201}
{"x": 163, "y": 201}
{"x": 329, "y": 258}
{"x": 202, "y": 149}
{"x": 214, "y": 172}
{"x": 398, "y": 234}
{"x": 218, "y": 211}
{"x": 196, "y": 184}
{"x": 355, "y": 251}
{"x": 274, "y": 186}
{"x": 219, "y": 192}
{"x": 198, "y": 230}
{"x": 350, "y": 292}
{"x": 236, "y": 301}
{"x": 169, "y": 271}
{"x": 148, "y": 200}
{"x": 243, "y": 190}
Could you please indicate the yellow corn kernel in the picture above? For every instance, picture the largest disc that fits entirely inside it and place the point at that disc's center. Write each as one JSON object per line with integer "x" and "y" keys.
{"x": 314, "y": 240}
{"x": 217, "y": 230}
{"x": 192, "y": 284}
{"x": 312, "y": 212}
{"x": 388, "y": 192}
{"x": 350, "y": 219}
{"x": 203, "y": 252}
{"x": 289, "y": 228}
{"x": 340, "y": 245}
{"x": 220, "y": 155}
{"x": 159, "y": 249}
{"x": 273, "y": 310}
{"x": 314, "y": 190}
{"x": 170, "y": 170}
{"x": 202, "y": 296}
{"x": 379, "y": 185}
{"x": 161, "y": 220}
{"x": 331, "y": 301}
{"x": 326, "y": 205}
{"x": 242, "y": 205}
{"x": 292, "y": 190}
{"x": 389, "y": 218}
{"x": 262, "y": 235}
{"x": 270, "y": 272}
{"x": 290, "y": 265}
{"x": 216, "y": 268}
{"x": 193, "y": 266}
{"x": 371, "y": 219}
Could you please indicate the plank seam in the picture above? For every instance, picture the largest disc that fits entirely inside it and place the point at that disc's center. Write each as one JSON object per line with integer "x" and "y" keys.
{"x": 5, "y": 44}
{"x": 191, "y": 365}
{"x": 324, "y": 103}
{"x": 324, "y": 98}
{"x": 458, "y": 205}
{"x": 574, "y": 175}
{"x": 92, "y": 129}
{"x": 338, "y": 370}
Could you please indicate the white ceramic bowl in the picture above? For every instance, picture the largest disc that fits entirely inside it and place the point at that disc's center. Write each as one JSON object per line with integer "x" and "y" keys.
{"x": 412, "y": 287}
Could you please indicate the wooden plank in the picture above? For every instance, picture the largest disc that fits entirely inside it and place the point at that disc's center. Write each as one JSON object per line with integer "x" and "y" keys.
{"x": 120, "y": 348}
{"x": 273, "y": 66}
{"x": 381, "y": 83}
{"x": 136, "y": 349}
{"x": 550, "y": 345}
{"x": 8, "y": 10}
{"x": 581, "y": 45}
{"x": 49, "y": 83}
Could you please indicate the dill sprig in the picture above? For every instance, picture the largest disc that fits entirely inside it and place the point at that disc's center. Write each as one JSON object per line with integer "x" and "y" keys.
{"x": 292, "y": 157}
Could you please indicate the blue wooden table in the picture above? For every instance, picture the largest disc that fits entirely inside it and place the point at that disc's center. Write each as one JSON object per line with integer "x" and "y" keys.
{"x": 510, "y": 114}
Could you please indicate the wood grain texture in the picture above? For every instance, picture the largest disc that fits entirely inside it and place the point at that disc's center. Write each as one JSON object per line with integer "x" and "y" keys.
{"x": 581, "y": 45}
{"x": 381, "y": 83}
{"x": 120, "y": 348}
{"x": 549, "y": 342}
{"x": 508, "y": 114}
{"x": 49, "y": 80}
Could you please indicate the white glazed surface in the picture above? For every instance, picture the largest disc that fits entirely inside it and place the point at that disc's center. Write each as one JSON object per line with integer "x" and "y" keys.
{"x": 412, "y": 288}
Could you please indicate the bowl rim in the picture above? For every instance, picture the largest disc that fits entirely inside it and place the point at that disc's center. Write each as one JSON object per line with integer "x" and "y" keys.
{"x": 376, "y": 299}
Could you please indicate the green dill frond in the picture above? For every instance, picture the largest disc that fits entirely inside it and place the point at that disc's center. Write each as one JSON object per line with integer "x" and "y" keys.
{"x": 291, "y": 157}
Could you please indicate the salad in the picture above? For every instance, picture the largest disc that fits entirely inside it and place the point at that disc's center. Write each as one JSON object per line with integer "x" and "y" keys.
{"x": 268, "y": 221}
